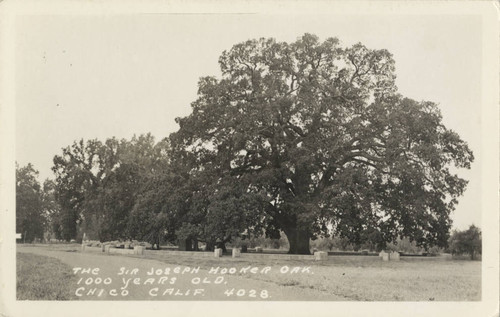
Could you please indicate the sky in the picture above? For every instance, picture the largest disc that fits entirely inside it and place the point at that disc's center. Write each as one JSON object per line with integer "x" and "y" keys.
{"x": 99, "y": 76}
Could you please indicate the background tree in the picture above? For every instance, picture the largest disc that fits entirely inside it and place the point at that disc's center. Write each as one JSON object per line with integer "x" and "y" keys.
{"x": 97, "y": 184}
{"x": 318, "y": 132}
{"x": 79, "y": 171}
{"x": 466, "y": 242}
{"x": 30, "y": 220}
{"x": 220, "y": 210}
{"x": 137, "y": 160}
{"x": 185, "y": 206}
{"x": 154, "y": 217}
{"x": 51, "y": 210}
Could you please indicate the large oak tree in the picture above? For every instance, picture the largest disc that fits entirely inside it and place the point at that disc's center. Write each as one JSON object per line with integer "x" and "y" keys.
{"x": 320, "y": 135}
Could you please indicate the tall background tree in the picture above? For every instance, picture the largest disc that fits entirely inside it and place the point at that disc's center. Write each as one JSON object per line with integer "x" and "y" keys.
{"x": 30, "y": 220}
{"x": 97, "y": 184}
{"x": 51, "y": 211}
{"x": 466, "y": 242}
{"x": 317, "y": 137}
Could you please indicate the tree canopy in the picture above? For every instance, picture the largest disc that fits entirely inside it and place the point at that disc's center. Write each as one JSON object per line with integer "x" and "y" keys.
{"x": 97, "y": 184}
{"x": 30, "y": 220}
{"x": 308, "y": 138}
{"x": 317, "y": 138}
{"x": 466, "y": 242}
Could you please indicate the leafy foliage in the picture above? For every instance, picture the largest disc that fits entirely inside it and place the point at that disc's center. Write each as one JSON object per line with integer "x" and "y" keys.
{"x": 97, "y": 183}
{"x": 316, "y": 136}
{"x": 466, "y": 242}
{"x": 154, "y": 215}
{"x": 30, "y": 219}
{"x": 307, "y": 138}
{"x": 52, "y": 212}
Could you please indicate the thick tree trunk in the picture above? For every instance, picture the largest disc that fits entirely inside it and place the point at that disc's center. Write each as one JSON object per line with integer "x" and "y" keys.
{"x": 209, "y": 246}
{"x": 222, "y": 245}
{"x": 195, "y": 245}
{"x": 298, "y": 240}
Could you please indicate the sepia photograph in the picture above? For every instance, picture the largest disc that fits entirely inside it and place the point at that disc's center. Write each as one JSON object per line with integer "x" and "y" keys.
{"x": 219, "y": 158}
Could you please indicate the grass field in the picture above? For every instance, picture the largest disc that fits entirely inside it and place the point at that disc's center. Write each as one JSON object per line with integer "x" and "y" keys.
{"x": 42, "y": 278}
{"x": 356, "y": 278}
{"x": 352, "y": 278}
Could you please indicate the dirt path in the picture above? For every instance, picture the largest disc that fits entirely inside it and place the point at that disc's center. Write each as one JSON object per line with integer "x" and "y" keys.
{"x": 115, "y": 277}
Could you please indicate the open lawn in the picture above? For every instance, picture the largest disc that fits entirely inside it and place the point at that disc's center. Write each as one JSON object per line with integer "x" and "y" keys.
{"x": 365, "y": 278}
{"x": 340, "y": 278}
{"x": 43, "y": 278}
